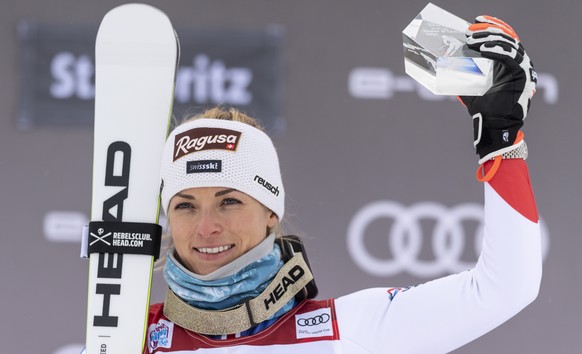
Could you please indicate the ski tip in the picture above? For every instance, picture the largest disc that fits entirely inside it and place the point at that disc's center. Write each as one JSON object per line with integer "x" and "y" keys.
{"x": 135, "y": 21}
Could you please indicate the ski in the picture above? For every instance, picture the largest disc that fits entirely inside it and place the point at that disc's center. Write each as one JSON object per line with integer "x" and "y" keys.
{"x": 136, "y": 56}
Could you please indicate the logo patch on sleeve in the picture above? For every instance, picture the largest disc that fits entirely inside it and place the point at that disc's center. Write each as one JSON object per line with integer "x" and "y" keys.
{"x": 314, "y": 324}
{"x": 160, "y": 335}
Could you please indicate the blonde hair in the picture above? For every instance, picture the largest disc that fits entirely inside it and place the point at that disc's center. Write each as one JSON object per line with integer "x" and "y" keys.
{"x": 231, "y": 114}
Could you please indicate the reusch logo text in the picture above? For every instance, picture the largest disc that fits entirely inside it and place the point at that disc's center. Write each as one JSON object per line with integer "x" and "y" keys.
{"x": 273, "y": 189}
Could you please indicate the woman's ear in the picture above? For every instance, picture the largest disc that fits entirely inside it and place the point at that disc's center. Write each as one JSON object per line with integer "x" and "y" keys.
{"x": 273, "y": 219}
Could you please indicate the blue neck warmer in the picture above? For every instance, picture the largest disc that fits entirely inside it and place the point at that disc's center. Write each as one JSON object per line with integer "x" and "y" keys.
{"x": 220, "y": 294}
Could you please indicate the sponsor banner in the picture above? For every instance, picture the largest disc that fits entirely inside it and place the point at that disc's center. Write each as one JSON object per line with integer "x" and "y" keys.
{"x": 426, "y": 239}
{"x": 378, "y": 83}
{"x": 241, "y": 68}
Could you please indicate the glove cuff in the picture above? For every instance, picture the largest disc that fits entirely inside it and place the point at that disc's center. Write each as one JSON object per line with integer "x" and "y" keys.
{"x": 495, "y": 135}
{"x": 515, "y": 151}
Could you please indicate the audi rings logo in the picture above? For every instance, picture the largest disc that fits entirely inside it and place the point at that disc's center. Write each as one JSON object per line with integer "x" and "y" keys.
{"x": 448, "y": 238}
{"x": 313, "y": 321}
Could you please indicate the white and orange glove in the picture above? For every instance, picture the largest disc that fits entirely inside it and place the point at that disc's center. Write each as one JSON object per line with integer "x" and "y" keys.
{"x": 498, "y": 115}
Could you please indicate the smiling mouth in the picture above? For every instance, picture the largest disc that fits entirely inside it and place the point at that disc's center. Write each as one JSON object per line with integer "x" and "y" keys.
{"x": 214, "y": 250}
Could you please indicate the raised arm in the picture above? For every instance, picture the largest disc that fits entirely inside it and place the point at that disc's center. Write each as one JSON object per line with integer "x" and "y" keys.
{"x": 449, "y": 312}
{"x": 444, "y": 314}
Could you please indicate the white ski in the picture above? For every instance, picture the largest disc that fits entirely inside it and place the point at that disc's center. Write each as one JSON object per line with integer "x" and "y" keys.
{"x": 136, "y": 56}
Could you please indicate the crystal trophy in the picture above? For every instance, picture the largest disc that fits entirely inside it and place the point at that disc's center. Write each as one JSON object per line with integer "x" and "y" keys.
{"x": 436, "y": 56}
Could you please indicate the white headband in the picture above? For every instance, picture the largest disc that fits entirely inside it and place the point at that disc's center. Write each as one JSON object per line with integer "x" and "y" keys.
{"x": 222, "y": 153}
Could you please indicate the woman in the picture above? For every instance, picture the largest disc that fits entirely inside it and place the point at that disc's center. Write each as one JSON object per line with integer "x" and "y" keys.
{"x": 236, "y": 285}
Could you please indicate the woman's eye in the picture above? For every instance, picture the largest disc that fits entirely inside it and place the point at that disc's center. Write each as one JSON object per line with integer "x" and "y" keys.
{"x": 230, "y": 201}
{"x": 183, "y": 205}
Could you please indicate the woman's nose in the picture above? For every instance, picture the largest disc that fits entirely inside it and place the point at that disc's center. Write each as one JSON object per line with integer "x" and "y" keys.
{"x": 208, "y": 223}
